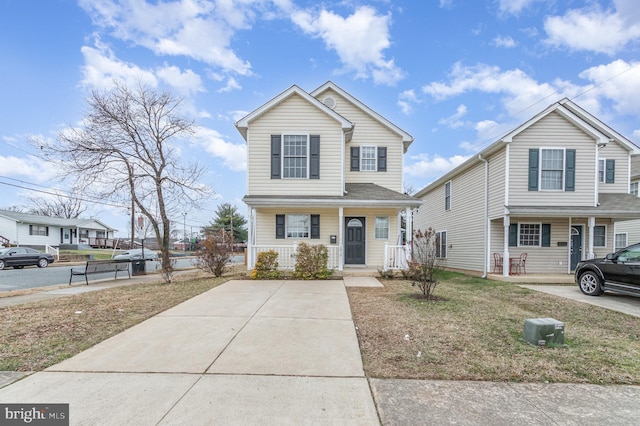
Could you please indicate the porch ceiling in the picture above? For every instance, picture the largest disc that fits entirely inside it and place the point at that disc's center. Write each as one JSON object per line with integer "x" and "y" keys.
{"x": 616, "y": 206}
{"x": 355, "y": 195}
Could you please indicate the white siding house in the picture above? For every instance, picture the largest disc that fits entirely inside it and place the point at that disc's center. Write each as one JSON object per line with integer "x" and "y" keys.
{"x": 314, "y": 176}
{"x": 554, "y": 188}
{"x": 24, "y": 229}
{"x": 628, "y": 232}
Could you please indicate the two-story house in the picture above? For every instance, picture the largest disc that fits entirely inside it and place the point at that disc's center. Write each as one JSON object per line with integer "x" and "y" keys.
{"x": 324, "y": 168}
{"x": 553, "y": 189}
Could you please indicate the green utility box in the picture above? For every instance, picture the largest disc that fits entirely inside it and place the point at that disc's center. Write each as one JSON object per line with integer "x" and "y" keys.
{"x": 544, "y": 332}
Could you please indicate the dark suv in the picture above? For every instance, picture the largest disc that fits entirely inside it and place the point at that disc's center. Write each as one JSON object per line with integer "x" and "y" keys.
{"x": 618, "y": 272}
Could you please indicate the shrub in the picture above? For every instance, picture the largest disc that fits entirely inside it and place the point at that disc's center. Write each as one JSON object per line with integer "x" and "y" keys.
{"x": 311, "y": 262}
{"x": 387, "y": 275}
{"x": 424, "y": 263}
{"x": 215, "y": 253}
{"x": 266, "y": 267}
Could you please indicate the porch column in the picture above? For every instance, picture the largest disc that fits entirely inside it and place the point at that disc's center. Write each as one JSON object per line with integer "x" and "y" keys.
{"x": 340, "y": 238}
{"x": 506, "y": 264}
{"x": 592, "y": 224}
{"x": 408, "y": 214}
{"x": 250, "y": 238}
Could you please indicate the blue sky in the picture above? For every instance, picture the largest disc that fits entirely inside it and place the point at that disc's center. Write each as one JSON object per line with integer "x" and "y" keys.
{"x": 454, "y": 74}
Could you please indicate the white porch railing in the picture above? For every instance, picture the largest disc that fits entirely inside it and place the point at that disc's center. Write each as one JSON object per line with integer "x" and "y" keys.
{"x": 54, "y": 251}
{"x": 396, "y": 257}
{"x": 287, "y": 255}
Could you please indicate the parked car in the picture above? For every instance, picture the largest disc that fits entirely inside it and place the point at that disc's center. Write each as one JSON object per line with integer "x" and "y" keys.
{"x": 618, "y": 272}
{"x": 136, "y": 254}
{"x": 19, "y": 257}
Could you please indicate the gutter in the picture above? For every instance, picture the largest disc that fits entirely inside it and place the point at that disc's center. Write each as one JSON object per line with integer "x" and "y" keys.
{"x": 486, "y": 216}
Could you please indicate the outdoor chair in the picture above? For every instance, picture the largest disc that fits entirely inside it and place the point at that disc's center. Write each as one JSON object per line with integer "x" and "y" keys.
{"x": 497, "y": 263}
{"x": 522, "y": 263}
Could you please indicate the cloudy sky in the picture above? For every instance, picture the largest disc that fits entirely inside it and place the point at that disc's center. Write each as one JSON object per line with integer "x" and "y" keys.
{"x": 454, "y": 74}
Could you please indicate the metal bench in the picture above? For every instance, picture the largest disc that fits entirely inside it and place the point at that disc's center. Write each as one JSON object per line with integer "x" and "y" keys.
{"x": 100, "y": 267}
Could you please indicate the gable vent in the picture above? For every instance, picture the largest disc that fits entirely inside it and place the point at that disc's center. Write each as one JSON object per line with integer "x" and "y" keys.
{"x": 329, "y": 101}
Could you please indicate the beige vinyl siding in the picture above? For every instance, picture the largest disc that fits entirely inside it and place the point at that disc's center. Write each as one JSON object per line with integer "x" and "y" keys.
{"x": 464, "y": 222}
{"x": 294, "y": 116}
{"x": 613, "y": 151}
{"x": 552, "y": 131}
{"x": 375, "y": 248}
{"x": 497, "y": 183}
{"x": 631, "y": 228}
{"x": 369, "y": 131}
{"x": 329, "y": 225}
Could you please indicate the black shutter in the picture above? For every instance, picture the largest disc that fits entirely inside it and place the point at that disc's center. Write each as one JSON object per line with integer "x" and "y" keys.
{"x": 30, "y": 229}
{"x": 533, "y": 169}
{"x": 513, "y": 235}
{"x": 382, "y": 158}
{"x": 355, "y": 158}
{"x": 315, "y": 226}
{"x": 46, "y": 231}
{"x": 570, "y": 181}
{"x": 314, "y": 157}
{"x": 279, "y": 226}
{"x": 610, "y": 171}
{"x": 546, "y": 235}
{"x": 276, "y": 148}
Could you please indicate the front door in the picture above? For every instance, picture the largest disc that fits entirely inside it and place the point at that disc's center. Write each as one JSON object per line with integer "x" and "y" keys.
{"x": 576, "y": 245}
{"x": 355, "y": 241}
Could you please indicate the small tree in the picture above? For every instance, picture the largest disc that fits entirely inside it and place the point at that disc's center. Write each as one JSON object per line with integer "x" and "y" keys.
{"x": 311, "y": 262}
{"x": 424, "y": 263}
{"x": 215, "y": 253}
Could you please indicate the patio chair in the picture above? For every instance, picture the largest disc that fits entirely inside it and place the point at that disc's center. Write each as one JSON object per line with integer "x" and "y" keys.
{"x": 522, "y": 263}
{"x": 497, "y": 263}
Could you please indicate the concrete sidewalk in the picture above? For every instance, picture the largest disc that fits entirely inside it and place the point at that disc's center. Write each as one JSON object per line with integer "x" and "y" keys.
{"x": 247, "y": 352}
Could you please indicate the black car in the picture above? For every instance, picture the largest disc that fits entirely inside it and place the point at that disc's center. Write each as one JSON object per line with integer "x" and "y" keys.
{"x": 19, "y": 257}
{"x": 618, "y": 272}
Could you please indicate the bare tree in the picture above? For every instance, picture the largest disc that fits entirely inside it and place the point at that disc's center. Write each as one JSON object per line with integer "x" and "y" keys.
{"x": 125, "y": 151}
{"x": 68, "y": 207}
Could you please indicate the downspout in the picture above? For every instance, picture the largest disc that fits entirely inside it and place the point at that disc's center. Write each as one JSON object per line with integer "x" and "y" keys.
{"x": 486, "y": 216}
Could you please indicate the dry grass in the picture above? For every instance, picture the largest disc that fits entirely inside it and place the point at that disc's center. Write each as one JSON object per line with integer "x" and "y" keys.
{"x": 37, "y": 335}
{"x": 474, "y": 332}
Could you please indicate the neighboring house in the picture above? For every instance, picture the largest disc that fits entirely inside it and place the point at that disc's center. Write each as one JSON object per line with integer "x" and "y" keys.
{"x": 323, "y": 168}
{"x": 553, "y": 188}
{"x": 24, "y": 229}
{"x": 628, "y": 232}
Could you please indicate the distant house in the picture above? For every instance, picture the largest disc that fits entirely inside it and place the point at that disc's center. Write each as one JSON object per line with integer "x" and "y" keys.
{"x": 24, "y": 229}
{"x": 628, "y": 232}
{"x": 554, "y": 188}
{"x": 324, "y": 168}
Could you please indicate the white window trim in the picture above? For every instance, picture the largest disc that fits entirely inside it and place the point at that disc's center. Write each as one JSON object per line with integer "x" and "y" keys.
{"x": 282, "y": 156}
{"x": 375, "y": 227}
{"x": 445, "y": 195}
{"x": 626, "y": 240}
{"x": 375, "y": 157}
{"x": 605, "y": 235}
{"x": 637, "y": 186}
{"x": 564, "y": 168}
{"x": 286, "y": 226}
{"x": 439, "y": 239}
{"x": 602, "y": 161}
{"x": 539, "y": 233}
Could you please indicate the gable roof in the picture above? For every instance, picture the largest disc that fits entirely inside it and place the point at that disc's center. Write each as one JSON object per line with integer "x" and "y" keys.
{"x": 37, "y": 219}
{"x": 601, "y": 133}
{"x": 407, "y": 139}
{"x": 243, "y": 124}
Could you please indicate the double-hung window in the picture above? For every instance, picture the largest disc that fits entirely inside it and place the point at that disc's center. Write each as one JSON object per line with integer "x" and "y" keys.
{"x": 38, "y": 230}
{"x": 599, "y": 236}
{"x": 298, "y": 225}
{"x": 601, "y": 169}
{"x": 382, "y": 228}
{"x": 441, "y": 244}
{"x": 447, "y": 196}
{"x": 295, "y": 161}
{"x": 552, "y": 169}
{"x": 620, "y": 241}
{"x": 368, "y": 160}
{"x": 634, "y": 188}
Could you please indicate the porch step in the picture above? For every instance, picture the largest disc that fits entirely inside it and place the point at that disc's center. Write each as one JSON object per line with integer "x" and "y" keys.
{"x": 358, "y": 272}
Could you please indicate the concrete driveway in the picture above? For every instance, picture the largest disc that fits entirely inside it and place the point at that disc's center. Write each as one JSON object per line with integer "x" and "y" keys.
{"x": 616, "y": 302}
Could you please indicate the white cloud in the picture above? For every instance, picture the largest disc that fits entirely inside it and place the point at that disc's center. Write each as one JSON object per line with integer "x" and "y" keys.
{"x": 429, "y": 166}
{"x": 101, "y": 68}
{"x": 595, "y": 30}
{"x": 446, "y": 4}
{"x": 232, "y": 84}
{"x": 454, "y": 121}
{"x": 506, "y": 41}
{"x": 185, "y": 83}
{"x": 195, "y": 29}
{"x": 233, "y": 156}
{"x": 618, "y": 81}
{"x": 359, "y": 40}
{"x": 513, "y": 7}
{"x": 31, "y": 168}
{"x": 407, "y": 100}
